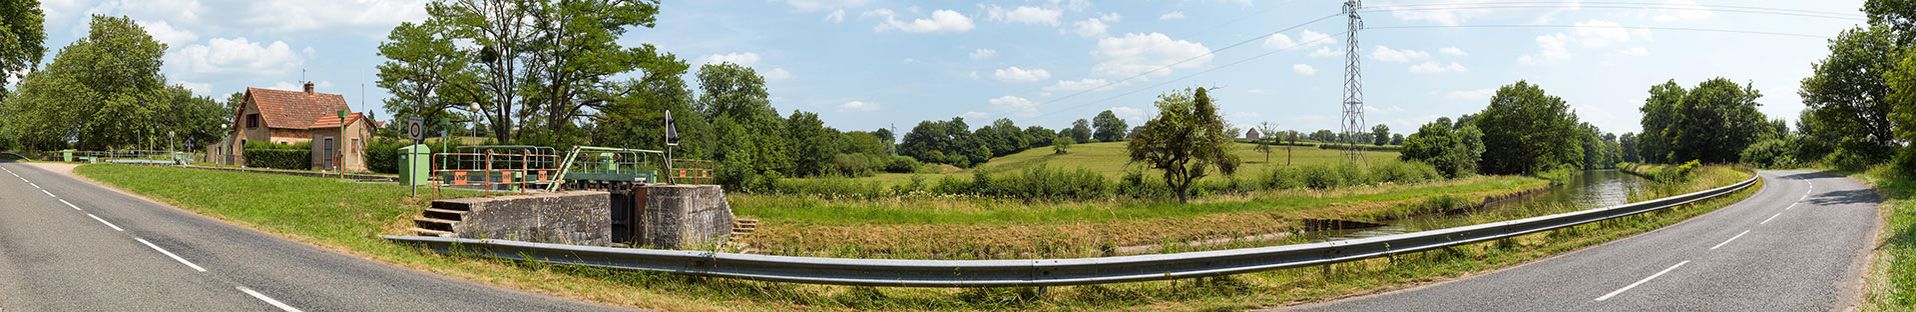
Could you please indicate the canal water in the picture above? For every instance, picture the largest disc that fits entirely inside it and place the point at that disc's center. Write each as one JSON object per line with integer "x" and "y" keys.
{"x": 1584, "y": 190}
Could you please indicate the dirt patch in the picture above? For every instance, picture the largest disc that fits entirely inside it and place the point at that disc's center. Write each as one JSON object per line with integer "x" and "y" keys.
{"x": 61, "y": 168}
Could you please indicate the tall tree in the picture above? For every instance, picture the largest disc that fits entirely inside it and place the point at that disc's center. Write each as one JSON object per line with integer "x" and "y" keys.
{"x": 1527, "y": 131}
{"x": 22, "y": 39}
{"x": 814, "y": 145}
{"x": 1080, "y": 131}
{"x": 1716, "y": 121}
{"x": 103, "y": 91}
{"x": 1659, "y": 114}
{"x": 1109, "y": 127}
{"x": 426, "y": 73}
{"x": 1847, "y": 91}
{"x": 1455, "y": 152}
{"x": 1185, "y": 141}
{"x": 1380, "y": 135}
{"x": 636, "y": 119}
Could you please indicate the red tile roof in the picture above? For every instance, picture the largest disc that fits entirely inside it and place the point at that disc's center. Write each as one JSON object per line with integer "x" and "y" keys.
{"x": 332, "y": 121}
{"x": 283, "y": 109}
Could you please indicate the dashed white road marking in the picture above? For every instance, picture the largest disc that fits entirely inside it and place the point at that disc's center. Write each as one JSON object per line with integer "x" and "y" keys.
{"x": 268, "y": 300}
{"x": 170, "y": 254}
{"x": 35, "y": 185}
{"x": 108, "y": 224}
{"x": 1727, "y": 242}
{"x": 48, "y": 193}
{"x": 63, "y": 201}
{"x": 1640, "y": 282}
{"x": 1772, "y": 217}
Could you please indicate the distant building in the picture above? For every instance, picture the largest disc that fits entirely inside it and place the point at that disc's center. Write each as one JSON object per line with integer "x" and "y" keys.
{"x": 287, "y": 117}
{"x": 1251, "y": 134}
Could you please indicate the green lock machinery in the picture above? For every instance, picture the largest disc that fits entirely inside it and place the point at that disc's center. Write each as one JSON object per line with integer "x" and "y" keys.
{"x": 605, "y": 168}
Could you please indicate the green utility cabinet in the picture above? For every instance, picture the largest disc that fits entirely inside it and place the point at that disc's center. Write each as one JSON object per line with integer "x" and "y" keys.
{"x": 415, "y": 164}
{"x": 66, "y": 155}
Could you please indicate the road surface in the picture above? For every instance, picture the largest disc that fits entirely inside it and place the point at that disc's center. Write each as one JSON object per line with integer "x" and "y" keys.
{"x": 1799, "y": 244}
{"x": 67, "y": 245}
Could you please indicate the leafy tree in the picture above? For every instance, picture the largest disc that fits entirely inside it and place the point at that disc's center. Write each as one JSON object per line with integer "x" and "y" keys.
{"x": 1039, "y": 136}
{"x": 425, "y": 72}
{"x": 1080, "y": 131}
{"x": 750, "y": 136}
{"x": 891, "y": 140}
{"x": 1628, "y": 144}
{"x": 1185, "y": 141}
{"x": 22, "y": 38}
{"x": 1264, "y": 142}
{"x": 1324, "y": 136}
{"x": 103, "y": 91}
{"x": 946, "y": 142}
{"x": 1770, "y": 153}
{"x": 1716, "y": 121}
{"x": 1455, "y": 152}
{"x": 1659, "y": 115}
{"x": 1004, "y": 137}
{"x": 636, "y": 119}
{"x": 1397, "y": 139}
{"x": 1061, "y": 145}
{"x": 1380, "y": 135}
{"x": 1109, "y": 127}
{"x": 813, "y": 145}
{"x": 1527, "y": 131}
{"x": 1847, "y": 90}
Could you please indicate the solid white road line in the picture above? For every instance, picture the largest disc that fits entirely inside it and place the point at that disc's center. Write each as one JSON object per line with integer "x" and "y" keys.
{"x": 1646, "y": 279}
{"x": 1727, "y": 242}
{"x": 63, "y": 201}
{"x": 108, "y": 224}
{"x": 171, "y": 255}
{"x": 1772, "y": 217}
{"x": 275, "y": 303}
{"x": 48, "y": 193}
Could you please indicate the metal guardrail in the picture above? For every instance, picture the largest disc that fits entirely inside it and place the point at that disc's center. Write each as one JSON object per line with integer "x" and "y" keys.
{"x": 1037, "y": 272}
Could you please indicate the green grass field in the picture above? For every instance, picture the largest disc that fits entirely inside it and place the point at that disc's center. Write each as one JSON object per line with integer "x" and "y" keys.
{"x": 1892, "y": 284}
{"x": 1111, "y": 160}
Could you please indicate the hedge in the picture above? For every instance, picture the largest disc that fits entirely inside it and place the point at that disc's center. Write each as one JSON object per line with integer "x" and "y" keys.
{"x": 297, "y": 156}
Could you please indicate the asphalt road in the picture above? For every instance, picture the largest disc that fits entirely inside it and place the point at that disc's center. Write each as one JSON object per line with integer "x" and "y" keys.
{"x": 1799, "y": 244}
{"x": 67, "y": 245}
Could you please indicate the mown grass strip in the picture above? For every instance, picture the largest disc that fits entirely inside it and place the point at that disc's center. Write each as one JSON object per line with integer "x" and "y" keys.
{"x": 1892, "y": 282}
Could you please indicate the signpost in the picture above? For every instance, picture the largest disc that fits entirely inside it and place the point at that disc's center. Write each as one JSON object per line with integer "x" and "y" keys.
{"x": 415, "y": 129}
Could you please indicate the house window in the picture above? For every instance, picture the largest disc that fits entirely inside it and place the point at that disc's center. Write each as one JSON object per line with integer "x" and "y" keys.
{"x": 252, "y": 121}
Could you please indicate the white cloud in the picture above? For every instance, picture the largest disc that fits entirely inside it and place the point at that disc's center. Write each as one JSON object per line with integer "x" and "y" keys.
{"x": 858, "y": 106}
{"x": 777, "y": 74}
{"x": 1433, "y": 67}
{"x": 1305, "y": 39}
{"x": 238, "y": 56}
{"x": 1682, "y": 10}
{"x": 1388, "y": 55}
{"x": 200, "y": 89}
{"x": 820, "y": 5}
{"x": 1302, "y": 69}
{"x": 374, "y": 17}
{"x": 1453, "y": 51}
{"x": 980, "y": 54}
{"x": 746, "y": 59}
{"x": 1599, "y": 33}
{"x": 974, "y": 115}
{"x": 1024, "y": 15}
{"x": 1551, "y": 49}
{"x": 1637, "y": 51}
{"x": 941, "y": 21}
{"x": 1015, "y": 74}
{"x": 837, "y": 16}
{"x": 1478, "y": 94}
{"x": 1080, "y": 85}
{"x": 1448, "y": 12}
{"x": 1154, "y": 53}
{"x": 1171, "y": 16}
{"x": 1089, "y": 28}
{"x": 1017, "y": 106}
{"x": 168, "y": 34}
{"x": 1128, "y": 113}
{"x": 319, "y": 86}
{"x": 974, "y": 75}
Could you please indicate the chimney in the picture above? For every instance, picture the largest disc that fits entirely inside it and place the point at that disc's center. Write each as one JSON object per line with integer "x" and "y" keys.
{"x": 309, "y": 87}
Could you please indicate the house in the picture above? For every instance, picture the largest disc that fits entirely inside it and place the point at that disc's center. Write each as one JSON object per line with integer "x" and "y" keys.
{"x": 288, "y": 117}
{"x": 1251, "y": 134}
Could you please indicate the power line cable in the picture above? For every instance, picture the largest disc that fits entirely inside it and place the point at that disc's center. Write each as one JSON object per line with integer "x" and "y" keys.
{"x": 1477, "y": 7}
{"x": 1651, "y": 5}
{"x": 1188, "y": 76}
{"x": 1695, "y": 29}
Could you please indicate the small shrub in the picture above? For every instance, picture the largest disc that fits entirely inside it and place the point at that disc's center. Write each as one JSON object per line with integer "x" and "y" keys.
{"x": 1772, "y": 153}
{"x": 1282, "y": 178}
{"x": 297, "y": 156}
{"x": 833, "y": 187}
{"x": 903, "y": 164}
{"x": 1044, "y": 183}
{"x": 1320, "y": 177}
{"x": 1403, "y": 172}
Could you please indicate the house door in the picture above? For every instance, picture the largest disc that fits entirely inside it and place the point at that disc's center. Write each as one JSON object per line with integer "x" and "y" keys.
{"x": 327, "y": 162}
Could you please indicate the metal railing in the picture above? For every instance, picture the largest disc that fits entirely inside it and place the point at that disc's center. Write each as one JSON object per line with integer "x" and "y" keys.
{"x": 1038, "y": 272}
{"x": 496, "y": 168}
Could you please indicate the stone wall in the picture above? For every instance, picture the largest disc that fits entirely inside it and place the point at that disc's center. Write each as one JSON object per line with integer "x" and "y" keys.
{"x": 577, "y": 217}
{"x": 680, "y": 216}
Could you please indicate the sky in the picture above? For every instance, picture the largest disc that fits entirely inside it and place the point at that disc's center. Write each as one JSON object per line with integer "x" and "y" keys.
{"x": 869, "y": 64}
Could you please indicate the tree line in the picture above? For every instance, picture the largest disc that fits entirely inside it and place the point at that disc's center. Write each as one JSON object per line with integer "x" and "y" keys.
{"x": 103, "y": 91}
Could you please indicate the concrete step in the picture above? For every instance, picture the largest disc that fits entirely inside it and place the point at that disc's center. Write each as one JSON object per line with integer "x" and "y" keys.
{"x": 434, "y": 224}
{"x": 430, "y": 232}
{"x": 444, "y": 214}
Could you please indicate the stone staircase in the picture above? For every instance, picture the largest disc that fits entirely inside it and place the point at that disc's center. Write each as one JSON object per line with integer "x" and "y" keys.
{"x": 741, "y": 229}
{"x": 439, "y": 219}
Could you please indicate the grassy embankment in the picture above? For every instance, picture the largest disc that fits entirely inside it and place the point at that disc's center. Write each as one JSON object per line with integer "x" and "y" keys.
{"x": 1892, "y": 282}
{"x": 1110, "y": 160}
{"x": 346, "y": 217}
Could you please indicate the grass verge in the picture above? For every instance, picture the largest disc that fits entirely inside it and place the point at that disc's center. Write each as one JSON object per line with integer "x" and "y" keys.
{"x": 1892, "y": 282}
{"x": 345, "y": 216}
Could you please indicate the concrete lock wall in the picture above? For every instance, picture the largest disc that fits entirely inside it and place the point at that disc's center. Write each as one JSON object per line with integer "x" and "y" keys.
{"x": 680, "y": 216}
{"x": 577, "y": 217}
